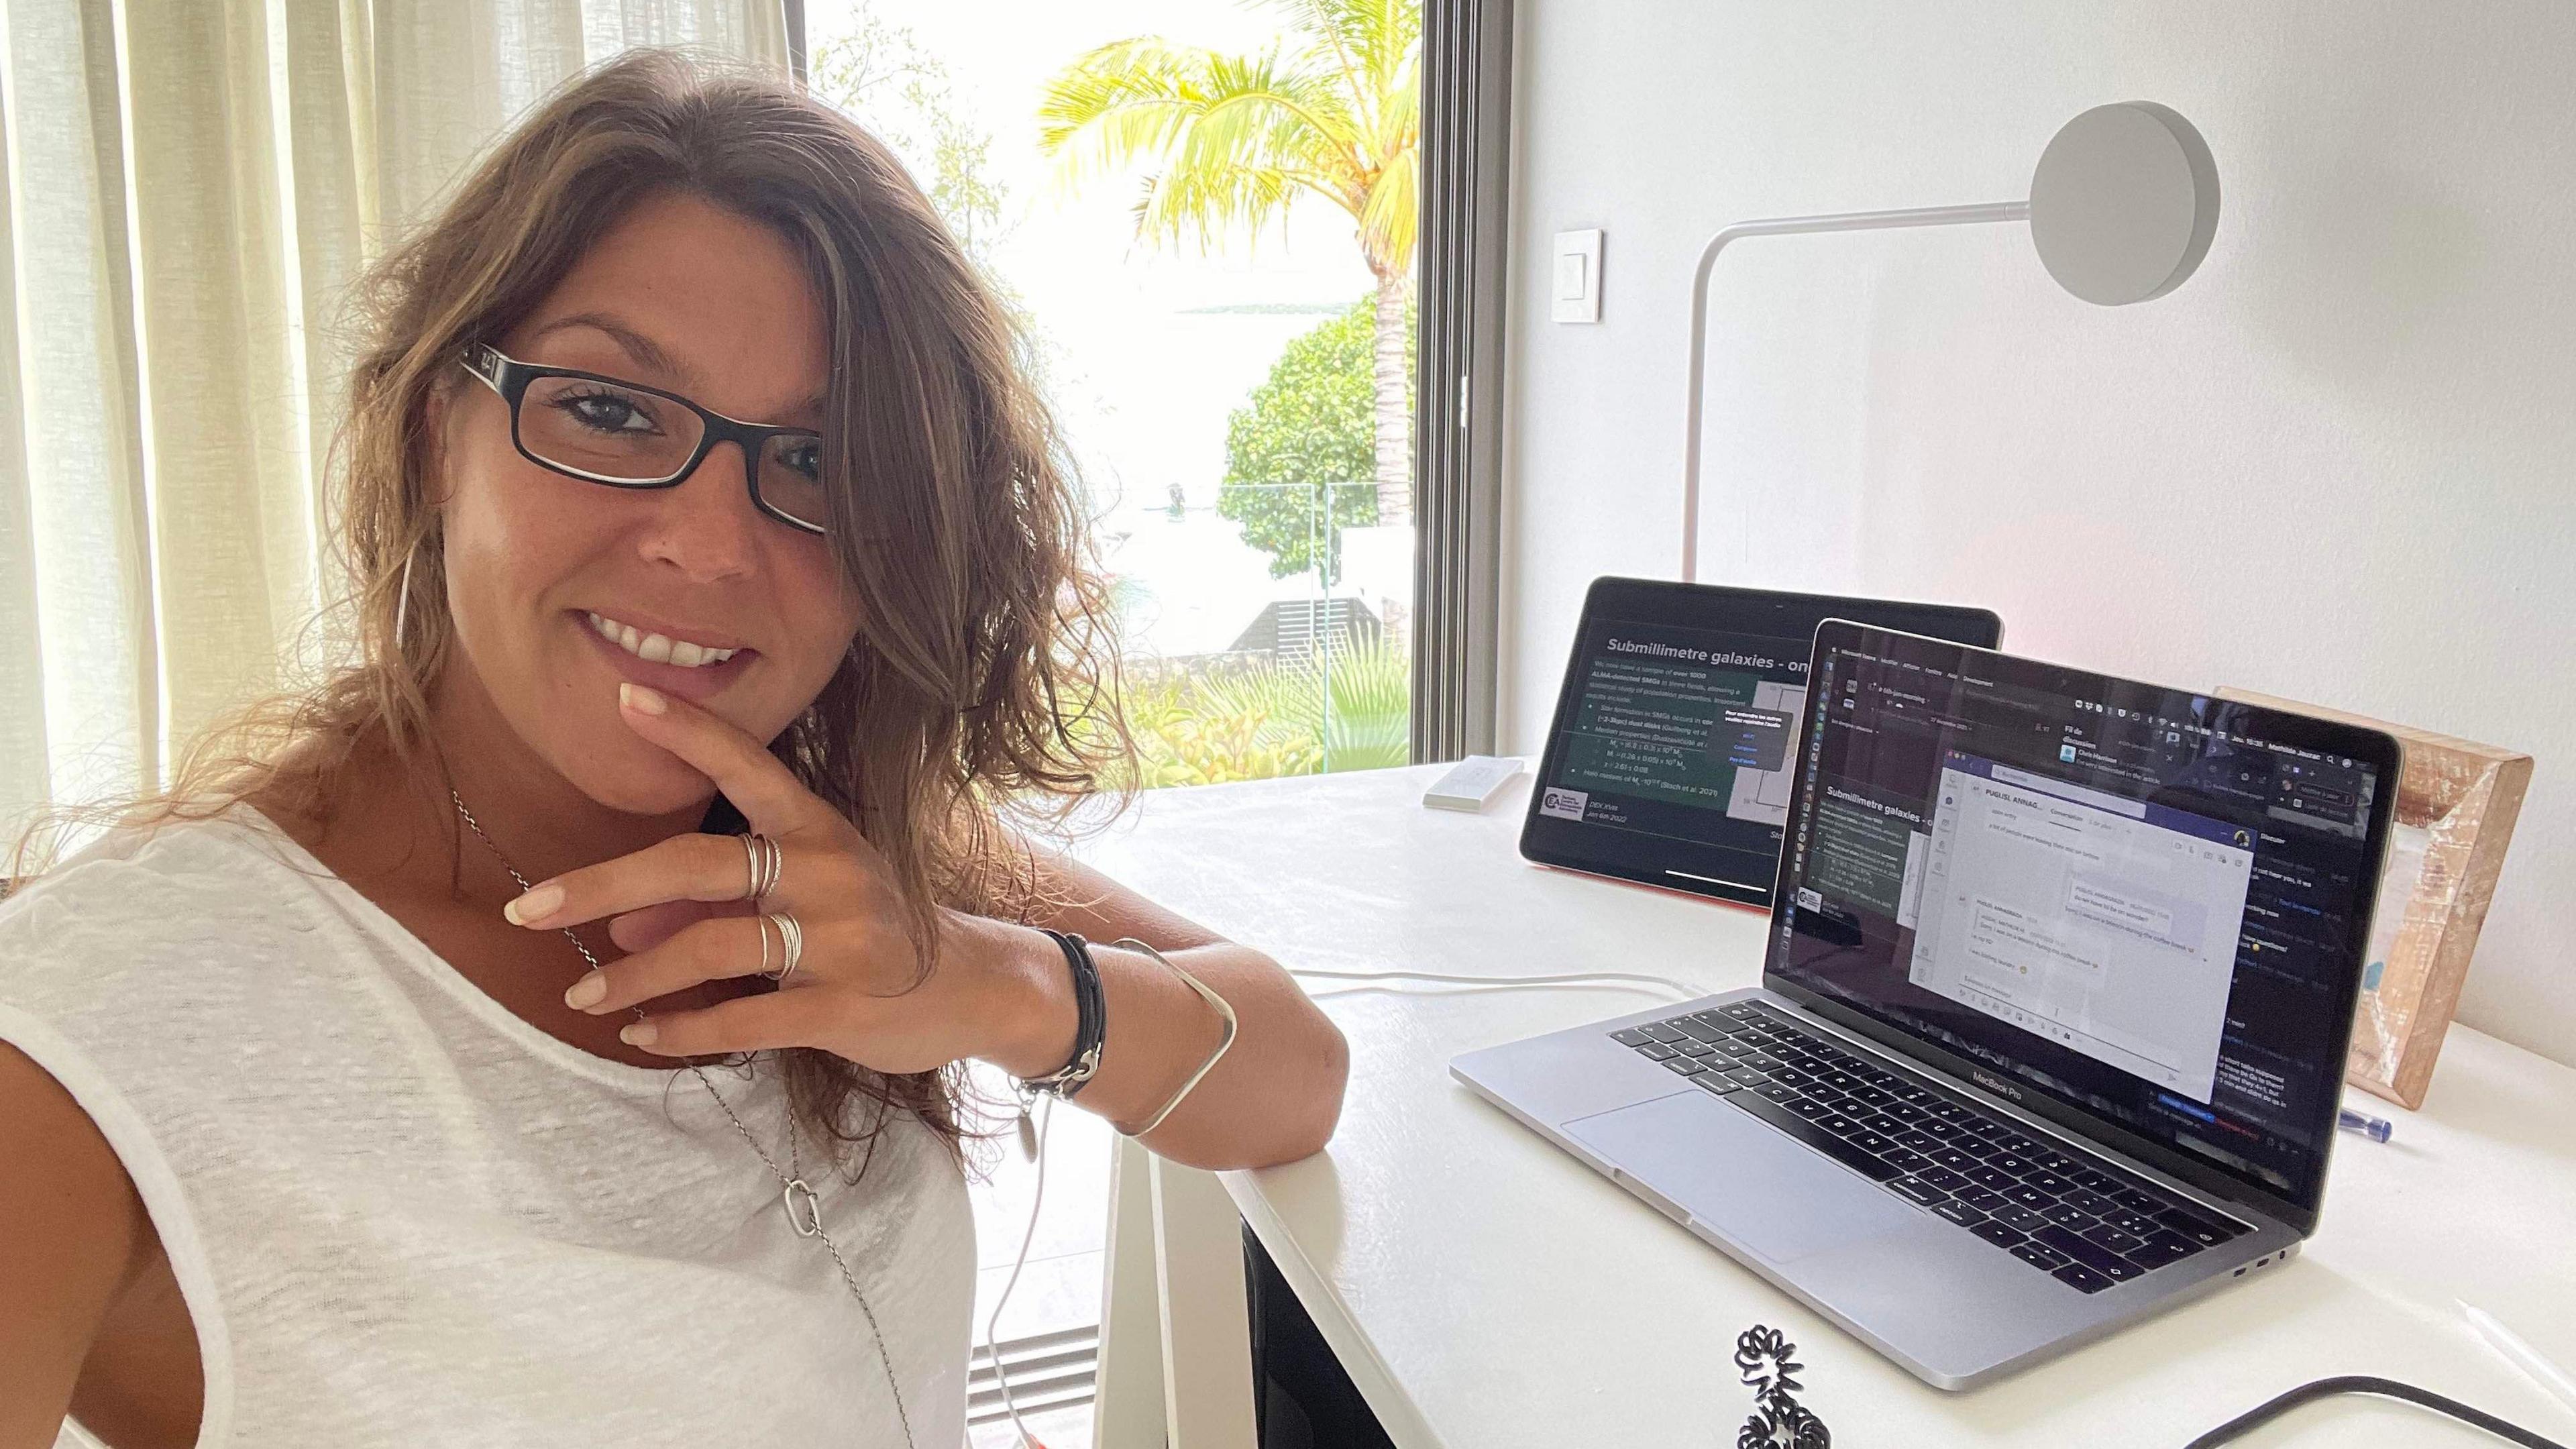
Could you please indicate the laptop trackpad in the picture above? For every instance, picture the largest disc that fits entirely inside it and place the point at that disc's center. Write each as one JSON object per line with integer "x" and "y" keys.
{"x": 1746, "y": 1181}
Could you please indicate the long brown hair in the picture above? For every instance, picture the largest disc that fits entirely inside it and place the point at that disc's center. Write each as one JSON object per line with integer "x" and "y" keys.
{"x": 979, "y": 693}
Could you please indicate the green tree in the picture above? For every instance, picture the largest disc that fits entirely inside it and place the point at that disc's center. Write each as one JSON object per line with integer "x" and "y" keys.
{"x": 1298, "y": 456}
{"x": 1334, "y": 109}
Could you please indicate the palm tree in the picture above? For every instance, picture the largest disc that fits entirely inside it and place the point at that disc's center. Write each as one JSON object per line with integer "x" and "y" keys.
{"x": 1332, "y": 110}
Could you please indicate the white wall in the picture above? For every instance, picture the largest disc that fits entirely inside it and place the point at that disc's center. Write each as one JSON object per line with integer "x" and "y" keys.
{"x": 2338, "y": 465}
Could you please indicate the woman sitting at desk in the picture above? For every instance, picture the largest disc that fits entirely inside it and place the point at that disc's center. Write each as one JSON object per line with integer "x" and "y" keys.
{"x": 550, "y": 1029}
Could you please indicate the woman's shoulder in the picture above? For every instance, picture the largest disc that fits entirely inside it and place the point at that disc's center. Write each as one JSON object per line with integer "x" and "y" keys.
{"x": 141, "y": 895}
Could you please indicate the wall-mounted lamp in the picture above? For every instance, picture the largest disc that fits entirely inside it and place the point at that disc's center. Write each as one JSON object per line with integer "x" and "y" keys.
{"x": 2121, "y": 209}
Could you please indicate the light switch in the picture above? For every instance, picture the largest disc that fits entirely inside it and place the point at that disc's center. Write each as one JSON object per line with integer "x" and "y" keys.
{"x": 1573, "y": 276}
{"x": 1576, "y": 296}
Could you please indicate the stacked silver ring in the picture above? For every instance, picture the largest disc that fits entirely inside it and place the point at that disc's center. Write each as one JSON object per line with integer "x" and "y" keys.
{"x": 791, "y": 937}
{"x": 766, "y": 860}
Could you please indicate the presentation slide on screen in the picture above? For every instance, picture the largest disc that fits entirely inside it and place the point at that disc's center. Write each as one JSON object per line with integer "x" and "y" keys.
{"x": 1693, "y": 724}
{"x": 2097, "y": 921}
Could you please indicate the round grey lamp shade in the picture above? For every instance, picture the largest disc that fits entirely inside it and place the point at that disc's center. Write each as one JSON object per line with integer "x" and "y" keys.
{"x": 2124, "y": 203}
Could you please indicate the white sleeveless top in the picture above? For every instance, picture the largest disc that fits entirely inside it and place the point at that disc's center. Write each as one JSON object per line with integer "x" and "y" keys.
{"x": 402, "y": 1216}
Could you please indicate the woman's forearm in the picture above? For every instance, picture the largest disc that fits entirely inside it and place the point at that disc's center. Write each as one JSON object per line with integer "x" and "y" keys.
{"x": 1273, "y": 1098}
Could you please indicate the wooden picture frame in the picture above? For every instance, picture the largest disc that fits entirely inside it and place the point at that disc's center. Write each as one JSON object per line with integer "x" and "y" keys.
{"x": 2457, "y": 801}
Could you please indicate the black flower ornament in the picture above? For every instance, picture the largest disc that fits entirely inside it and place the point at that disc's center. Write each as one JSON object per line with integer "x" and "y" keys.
{"x": 1769, "y": 1365}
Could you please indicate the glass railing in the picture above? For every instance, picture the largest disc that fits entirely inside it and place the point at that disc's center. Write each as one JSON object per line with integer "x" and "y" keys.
{"x": 1266, "y": 635}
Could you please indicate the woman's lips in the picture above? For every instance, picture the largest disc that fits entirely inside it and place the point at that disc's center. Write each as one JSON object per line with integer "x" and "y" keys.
{"x": 695, "y": 683}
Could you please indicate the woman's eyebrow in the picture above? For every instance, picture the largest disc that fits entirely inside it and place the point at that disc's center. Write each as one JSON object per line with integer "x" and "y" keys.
{"x": 648, "y": 354}
{"x": 644, "y": 350}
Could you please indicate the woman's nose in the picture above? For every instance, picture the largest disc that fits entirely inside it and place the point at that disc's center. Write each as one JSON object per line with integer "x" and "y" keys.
{"x": 707, "y": 524}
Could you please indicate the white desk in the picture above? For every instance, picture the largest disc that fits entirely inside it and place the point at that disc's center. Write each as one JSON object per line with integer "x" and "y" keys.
{"x": 1487, "y": 1291}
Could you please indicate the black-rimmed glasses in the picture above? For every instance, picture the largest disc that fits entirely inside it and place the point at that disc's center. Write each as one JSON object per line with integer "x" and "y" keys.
{"x": 626, "y": 435}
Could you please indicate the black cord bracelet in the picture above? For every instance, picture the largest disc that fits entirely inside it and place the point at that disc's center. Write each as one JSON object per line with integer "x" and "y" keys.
{"x": 1091, "y": 1019}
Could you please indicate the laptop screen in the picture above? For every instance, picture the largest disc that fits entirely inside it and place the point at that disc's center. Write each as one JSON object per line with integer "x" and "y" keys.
{"x": 2144, "y": 905}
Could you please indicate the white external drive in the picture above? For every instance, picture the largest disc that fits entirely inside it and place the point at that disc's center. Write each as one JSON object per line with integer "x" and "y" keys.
{"x": 1471, "y": 783}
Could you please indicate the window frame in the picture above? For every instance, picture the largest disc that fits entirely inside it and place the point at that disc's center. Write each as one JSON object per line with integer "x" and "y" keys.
{"x": 1458, "y": 434}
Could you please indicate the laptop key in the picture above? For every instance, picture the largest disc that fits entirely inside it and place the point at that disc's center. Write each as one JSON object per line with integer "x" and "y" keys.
{"x": 1987, "y": 1177}
{"x": 2002, "y": 1235}
{"x": 1868, "y": 1141}
{"x": 1805, "y": 1131}
{"x": 2047, "y": 1182}
{"x": 1630, "y": 1037}
{"x": 1687, "y": 1066}
{"x": 1906, "y": 1162}
{"x": 2066, "y": 1215}
{"x": 1655, "y": 1051}
{"x": 2040, "y": 1256}
{"x": 2133, "y": 1222}
{"x": 2161, "y": 1248}
{"x": 1665, "y": 1034}
{"x": 1693, "y": 1026}
{"x": 1744, "y": 1076}
{"x": 1959, "y": 1212}
{"x": 2103, "y": 1235}
{"x": 1949, "y": 1157}
{"x": 1986, "y": 1200}
{"x": 1837, "y": 1124}
{"x": 1693, "y": 1048}
{"x": 2091, "y": 1202}
{"x": 1809, "y": 1110}
{"x": 2092, "y": 1255}
{"x": 1715, "y": 1082}
{"x": 2020, "y": 1217}
{"x": 2081, "y": 1278}
{"x": 2138, "y": 1200}
{"x": 1918, "y": 1190}
{"x": 2029, "y": 1197}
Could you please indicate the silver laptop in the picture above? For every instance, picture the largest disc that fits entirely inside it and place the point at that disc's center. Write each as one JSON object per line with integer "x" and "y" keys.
{"x": 2060, "y": 977}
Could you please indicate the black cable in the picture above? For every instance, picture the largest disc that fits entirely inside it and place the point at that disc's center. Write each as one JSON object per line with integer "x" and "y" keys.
{"x": 2238, "y": 1427}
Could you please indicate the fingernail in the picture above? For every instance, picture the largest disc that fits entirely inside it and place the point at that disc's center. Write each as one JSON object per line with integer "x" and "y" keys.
{"x": 641, "y": 698}
{"x": 536, "y": 905}
{"x": 587, "y": 991}
{"x": 639, "y": 1034}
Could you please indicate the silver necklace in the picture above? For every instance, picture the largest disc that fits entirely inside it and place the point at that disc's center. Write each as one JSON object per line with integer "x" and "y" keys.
{"x": 804, "y": 1207}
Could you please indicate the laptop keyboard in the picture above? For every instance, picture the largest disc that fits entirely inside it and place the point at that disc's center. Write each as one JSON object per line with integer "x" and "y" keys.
{"x": 2080, "y": 1220}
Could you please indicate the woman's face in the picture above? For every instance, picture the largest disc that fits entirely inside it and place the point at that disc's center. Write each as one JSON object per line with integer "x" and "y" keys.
{"x": 692, "y": 299}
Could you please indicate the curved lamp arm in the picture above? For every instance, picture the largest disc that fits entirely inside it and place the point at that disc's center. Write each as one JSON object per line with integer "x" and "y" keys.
{"x": 1784, "y": 226}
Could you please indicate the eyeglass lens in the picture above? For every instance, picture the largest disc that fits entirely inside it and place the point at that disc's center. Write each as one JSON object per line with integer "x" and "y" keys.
{"x": 612, "y": 432}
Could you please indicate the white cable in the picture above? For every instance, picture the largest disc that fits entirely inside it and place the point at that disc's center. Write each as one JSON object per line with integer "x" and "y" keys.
{"x": 993, "y": 1324}
{"x": 1585, "y": 978}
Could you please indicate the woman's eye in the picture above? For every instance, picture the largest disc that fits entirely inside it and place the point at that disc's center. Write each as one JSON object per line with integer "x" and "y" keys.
{"x": 608, "y": 412}
{"x": 805, "y": 458}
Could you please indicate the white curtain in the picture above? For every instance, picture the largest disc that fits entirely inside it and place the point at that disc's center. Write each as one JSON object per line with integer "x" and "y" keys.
{"x": 192, "y": 186}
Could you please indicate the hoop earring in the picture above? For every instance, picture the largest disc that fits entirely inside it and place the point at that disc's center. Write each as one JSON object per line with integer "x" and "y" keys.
{"x": 402, "y": 601}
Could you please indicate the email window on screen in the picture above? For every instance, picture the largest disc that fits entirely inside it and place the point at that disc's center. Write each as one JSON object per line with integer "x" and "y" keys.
{"x": 2097, "y": 921}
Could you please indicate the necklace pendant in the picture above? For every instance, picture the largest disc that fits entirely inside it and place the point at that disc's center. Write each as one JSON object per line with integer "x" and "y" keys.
{"x": 804, "y": 1208}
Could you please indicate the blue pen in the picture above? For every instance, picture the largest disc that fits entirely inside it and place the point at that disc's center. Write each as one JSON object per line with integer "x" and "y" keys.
{"x": 2374, "y": 1128}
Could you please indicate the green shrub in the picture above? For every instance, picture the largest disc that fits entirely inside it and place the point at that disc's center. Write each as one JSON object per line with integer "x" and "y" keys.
{"x": 1266, "y": 718}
